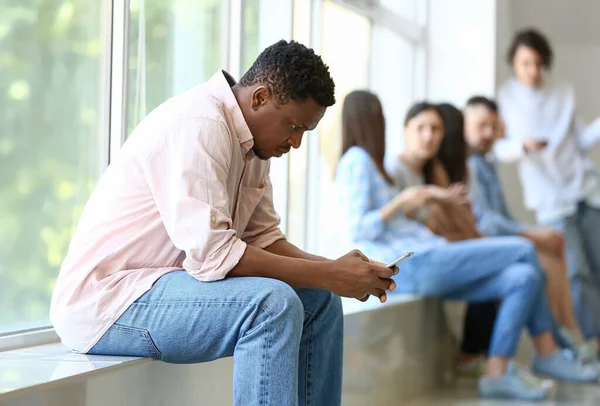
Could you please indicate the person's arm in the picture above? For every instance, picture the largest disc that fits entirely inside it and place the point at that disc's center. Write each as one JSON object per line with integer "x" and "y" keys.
{"x": 489, "y": 221}
{"x": 510, "y": 147}
{"x": 352, "y": 275}
{"x": 355, "y": 183}
{"x": 587, "y": 136}
{"x": 187, "y": 173}
{"x": 409, "y": 201}
{"x": 353, "y": 179}
{"x": 287, "y": 249}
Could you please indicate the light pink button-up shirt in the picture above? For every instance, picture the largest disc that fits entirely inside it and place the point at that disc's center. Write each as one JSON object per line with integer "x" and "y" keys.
{"x": 186, "y": 192}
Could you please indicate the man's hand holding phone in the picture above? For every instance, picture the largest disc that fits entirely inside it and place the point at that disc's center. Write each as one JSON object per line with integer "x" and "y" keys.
{"x": 354, "y": 275}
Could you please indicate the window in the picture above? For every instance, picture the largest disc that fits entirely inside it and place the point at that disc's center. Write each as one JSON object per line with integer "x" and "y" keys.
{"x": 53, "y": 143}
{"x": 345, "y": 48}
{"x": 60, "y": 113}
{"x": 393, "y": 80}
{"x": 250, "y": 23}
{"x": 173, "y": 46}
{"x": 299, "y": 159}
{"x": 263, "y": 23}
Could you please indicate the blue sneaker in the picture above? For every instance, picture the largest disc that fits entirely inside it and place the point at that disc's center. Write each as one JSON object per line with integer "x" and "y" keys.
{"x": 564, "y": 366}
{"x": 510, "y": 386}
{"x": 529, "y": 378}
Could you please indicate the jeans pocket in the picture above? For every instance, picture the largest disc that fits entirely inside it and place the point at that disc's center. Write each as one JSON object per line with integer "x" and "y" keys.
{"x": 126, "y": 341}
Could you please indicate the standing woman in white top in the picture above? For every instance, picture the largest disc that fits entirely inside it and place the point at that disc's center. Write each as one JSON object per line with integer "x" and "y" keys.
{"x": 549, "y": 142}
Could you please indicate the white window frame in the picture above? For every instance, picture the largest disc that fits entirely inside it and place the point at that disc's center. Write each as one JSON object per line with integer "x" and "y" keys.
{"x": 378, "y": 15}
{"x": 116, "y": 39}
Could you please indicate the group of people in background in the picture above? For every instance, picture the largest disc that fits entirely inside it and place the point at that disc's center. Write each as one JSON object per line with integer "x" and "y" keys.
{"x": 442, "y": 198}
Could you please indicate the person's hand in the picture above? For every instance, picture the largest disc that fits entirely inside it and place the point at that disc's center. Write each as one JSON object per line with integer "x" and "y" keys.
{"x": 455, "y": 193}
{"x": 418, "y": 195}
{"x": 459, "y": 193}
{"x": 354, "y": 275}
{"x": 546, "y": 239}
{"x": 533, "y": 145}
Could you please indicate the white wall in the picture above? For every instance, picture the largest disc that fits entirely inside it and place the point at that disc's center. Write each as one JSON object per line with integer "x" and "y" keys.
{"x": 461, "y": 42}
{"x": 572, "y": 27}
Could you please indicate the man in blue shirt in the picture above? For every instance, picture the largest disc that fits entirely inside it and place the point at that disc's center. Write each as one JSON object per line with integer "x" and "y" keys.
{"x": 482, "y": 127}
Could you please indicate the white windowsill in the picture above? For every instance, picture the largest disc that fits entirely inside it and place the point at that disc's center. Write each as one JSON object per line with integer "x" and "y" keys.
{"x": 29, "y": 365}
{"x": 28, "y": 339}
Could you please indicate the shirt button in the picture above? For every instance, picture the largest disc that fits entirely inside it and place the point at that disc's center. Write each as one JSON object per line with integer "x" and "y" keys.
{"x": 213, "y": 218}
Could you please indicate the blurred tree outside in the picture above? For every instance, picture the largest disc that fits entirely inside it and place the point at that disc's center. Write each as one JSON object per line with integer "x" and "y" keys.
{"x": 53, "y": 131}
{"x": 50, "y": 109}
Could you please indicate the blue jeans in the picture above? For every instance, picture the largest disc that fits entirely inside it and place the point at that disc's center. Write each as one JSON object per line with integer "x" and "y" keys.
{"x": 287, "y": 344}
{"x": 582, "y": 239}
{"x": 481, "y": 270}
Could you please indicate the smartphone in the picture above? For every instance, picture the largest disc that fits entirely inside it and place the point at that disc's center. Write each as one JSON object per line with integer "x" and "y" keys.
{"x": 402, "y": 258}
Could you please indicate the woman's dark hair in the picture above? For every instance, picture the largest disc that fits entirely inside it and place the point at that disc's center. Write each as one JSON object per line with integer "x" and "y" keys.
{"x": 535, "y": 40}
{"x": 453, "y": 149}
{"x": 363, "y": 125}
{"x": 414, "y": 111}
{"x": 419, "y": 108}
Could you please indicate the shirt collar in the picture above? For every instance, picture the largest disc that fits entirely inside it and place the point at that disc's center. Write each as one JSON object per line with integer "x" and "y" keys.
{"x": 223, "y": 82}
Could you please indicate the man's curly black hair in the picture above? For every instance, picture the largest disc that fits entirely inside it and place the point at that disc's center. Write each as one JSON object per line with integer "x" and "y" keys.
{"x": 293, "y": 72}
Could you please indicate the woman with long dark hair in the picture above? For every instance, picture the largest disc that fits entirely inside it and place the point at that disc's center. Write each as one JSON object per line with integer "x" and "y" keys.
{"x": 381, "y": 218}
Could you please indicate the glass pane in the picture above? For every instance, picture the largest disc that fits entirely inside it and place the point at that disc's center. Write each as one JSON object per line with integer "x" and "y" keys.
{"x": 346, "y": 48}
{"x": 264, "y": 22}
{"x": 298, "y": 174}
{"x": 53, "y": 142}
{"x": 296, "y": 232}
{"x": 250, "y": 21}
{"x": 393, "y": 79}
{"x": 173, "y": 46}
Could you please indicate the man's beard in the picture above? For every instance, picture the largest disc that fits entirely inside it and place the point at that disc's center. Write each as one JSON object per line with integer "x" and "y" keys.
{"x": 259, "y": 155}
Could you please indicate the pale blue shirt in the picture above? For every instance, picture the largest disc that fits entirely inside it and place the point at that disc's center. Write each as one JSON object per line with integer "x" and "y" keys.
{"x": 489, "y": 204}
{"x": 364, "y": 192}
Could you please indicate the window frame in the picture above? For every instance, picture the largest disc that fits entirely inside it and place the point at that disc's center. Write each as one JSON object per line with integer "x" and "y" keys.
{"x": 115, "y": 69}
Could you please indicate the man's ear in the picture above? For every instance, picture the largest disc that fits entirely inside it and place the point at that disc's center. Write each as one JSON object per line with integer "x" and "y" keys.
{"x": 260, "y": 97}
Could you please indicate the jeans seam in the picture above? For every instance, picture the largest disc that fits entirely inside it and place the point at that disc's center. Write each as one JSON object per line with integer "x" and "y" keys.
{"x": 264, "y": 400}
{"x": 145, "y": 334}
{"x": 308, "y": 358}
{"x": 195, "y": 302}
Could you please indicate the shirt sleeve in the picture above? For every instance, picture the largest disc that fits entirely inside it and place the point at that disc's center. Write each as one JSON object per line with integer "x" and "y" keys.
{"x": 263, "y": 228}
{"x": 509, "y": 148}
{"x": 587, "y": 136}
{"x": 354, "y": 183}
{"x": 489, "y": 221}
{"x": 187, "y": 174}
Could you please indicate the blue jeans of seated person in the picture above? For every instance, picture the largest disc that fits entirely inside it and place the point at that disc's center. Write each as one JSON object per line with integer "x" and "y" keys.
{"x": 287, "y": 344}
{"x": 582, "y": 236}
{"x": 481, "y": 270}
